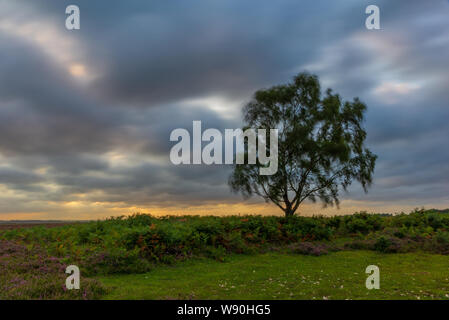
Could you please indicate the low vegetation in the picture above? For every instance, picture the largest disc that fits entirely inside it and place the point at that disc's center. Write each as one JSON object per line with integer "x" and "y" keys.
{"x": 139, "y": 243}
{"x": 339, "y": 275}
{"x": 28, "y": 272}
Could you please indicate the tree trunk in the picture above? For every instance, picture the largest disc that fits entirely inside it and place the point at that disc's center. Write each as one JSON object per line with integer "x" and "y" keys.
{"x": 289, "y": 211}
{"x": 288, "y": 205}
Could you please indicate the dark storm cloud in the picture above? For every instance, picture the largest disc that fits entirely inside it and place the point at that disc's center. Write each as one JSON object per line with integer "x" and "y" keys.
{"x": 43, "y": 111}
{"x": 15, "y": 177}
{"x": 410, "y": 133}
{"x": 148, "y": 183}
{"x": 151, "y": 184}
{"x": 61, "y": 136}
{"x": 162, "y": 51}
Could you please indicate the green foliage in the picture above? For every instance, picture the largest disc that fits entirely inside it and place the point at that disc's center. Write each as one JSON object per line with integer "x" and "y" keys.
{"x": 362, "y": 222}
{"x": 382, "y": 244}
{"x": 138, "y": 242}
{"x": 321, "y": 145}
{"x": 442, "y": 237}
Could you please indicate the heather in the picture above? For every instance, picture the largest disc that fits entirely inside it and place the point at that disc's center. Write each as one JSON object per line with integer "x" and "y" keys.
{"x": 138, "y": 243}
{"x": 28, "y": 272}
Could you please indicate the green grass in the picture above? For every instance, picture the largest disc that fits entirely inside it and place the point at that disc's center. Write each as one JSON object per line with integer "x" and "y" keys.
{"x": 339, "y": 275}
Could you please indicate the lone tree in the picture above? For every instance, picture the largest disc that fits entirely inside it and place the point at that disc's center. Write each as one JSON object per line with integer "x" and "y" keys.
{"x": 321, "y": 145}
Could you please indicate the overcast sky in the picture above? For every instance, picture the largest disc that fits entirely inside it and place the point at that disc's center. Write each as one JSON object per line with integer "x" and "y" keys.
{"x": 86, "y": 115}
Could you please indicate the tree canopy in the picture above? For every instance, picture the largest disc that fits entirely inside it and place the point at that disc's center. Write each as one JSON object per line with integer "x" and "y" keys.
{"x": 320, "y": 149}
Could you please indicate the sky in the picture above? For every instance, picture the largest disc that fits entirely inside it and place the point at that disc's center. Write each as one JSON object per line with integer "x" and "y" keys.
{"x": 86, "y": 115}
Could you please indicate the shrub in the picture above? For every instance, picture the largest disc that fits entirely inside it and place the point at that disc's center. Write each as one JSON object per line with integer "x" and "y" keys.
{"x": 216, "y": 253}
{"x": 309, "y": 248}
{"x": 389, "y": 245}
{"x": 442, "y": 237}
{"x": 382, "y": 244}
{"x": 30, "y": 273}
{"x": 135, "y": 243}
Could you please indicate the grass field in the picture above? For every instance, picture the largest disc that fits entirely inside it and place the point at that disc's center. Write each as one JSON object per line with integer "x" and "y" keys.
{"x": 339, "y": 275}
